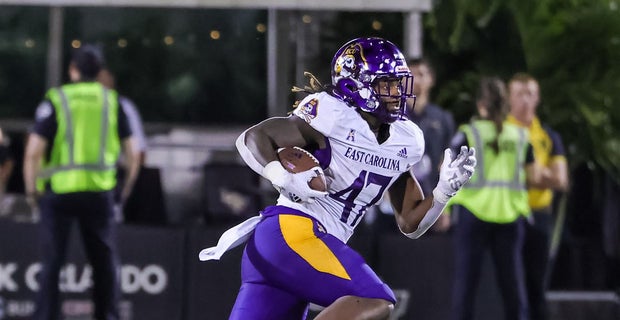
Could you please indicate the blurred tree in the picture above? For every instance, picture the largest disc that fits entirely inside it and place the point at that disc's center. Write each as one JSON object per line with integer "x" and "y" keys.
{"x": 341, "y": 27}
{"x": 572, "y": 47}
{"x": 181, "y": 65}
{"x": 23, "y": 50}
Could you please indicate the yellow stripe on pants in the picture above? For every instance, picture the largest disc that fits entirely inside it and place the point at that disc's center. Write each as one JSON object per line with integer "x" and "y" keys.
{"x": 299, "y": 235}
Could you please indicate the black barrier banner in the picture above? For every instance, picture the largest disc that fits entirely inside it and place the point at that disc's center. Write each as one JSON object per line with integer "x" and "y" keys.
{"x": 214, "y": 285}
{"x": 151, "y": 273}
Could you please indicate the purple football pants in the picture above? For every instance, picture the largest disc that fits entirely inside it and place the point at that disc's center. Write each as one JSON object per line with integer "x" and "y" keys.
{"x": 290, "y": 261}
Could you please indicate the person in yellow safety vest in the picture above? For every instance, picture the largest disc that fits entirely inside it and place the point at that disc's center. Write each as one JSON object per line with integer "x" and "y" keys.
{"x": 69, "y": 175}
{"x": 524, "y": 98}
{"x": 491, "y": 208}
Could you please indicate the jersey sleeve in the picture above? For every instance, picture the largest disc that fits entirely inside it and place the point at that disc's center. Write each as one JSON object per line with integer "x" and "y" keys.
{"x": 134, "y": 120}
{"x": 124, "y": 129}
{"x": 319, "y": 111}
{"x": 558, "y": 146}
{"x": 45, "y": 123}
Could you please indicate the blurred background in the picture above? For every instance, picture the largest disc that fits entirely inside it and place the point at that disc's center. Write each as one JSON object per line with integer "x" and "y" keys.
{"x": 202, "y": 71}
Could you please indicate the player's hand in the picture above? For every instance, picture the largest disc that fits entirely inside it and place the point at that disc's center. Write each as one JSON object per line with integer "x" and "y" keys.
{"x": 293, "y": 185}
{"x": 454, "y": 173}
{"x": 298, "y": 190}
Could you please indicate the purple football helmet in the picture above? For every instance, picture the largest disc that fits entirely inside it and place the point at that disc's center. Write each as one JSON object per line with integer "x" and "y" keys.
{"x": 362, "y": 61}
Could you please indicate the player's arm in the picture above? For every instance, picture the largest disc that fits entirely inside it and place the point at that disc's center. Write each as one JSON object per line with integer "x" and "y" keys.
{"x": 44, "y": 130}
{"x": 132, "y": 166}
{"x": 555, "y": 174}
{"x": 409, "y": 203}
{"x": 6, "y": 168}
{"x": 415, "y": 214}
{"x": 130, "y": 152}
{"x": 533, "y": 170}
{"x": 258, "y": 147}
{"x": 33, "y": 157}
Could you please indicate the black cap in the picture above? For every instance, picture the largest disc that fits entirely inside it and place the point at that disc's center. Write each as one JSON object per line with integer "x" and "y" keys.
{"x": 89, "y": 60}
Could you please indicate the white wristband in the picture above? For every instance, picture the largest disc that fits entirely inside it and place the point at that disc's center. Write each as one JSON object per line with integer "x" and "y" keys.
{"x": 440, "y": 196}
{"x": 275, "y": 172}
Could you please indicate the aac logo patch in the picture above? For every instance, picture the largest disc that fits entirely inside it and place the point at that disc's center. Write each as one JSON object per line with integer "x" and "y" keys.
{"x": 310, "y": 109}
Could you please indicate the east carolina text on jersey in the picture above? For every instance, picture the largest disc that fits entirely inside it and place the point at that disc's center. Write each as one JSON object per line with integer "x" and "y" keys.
{"x": 372, "y": 159}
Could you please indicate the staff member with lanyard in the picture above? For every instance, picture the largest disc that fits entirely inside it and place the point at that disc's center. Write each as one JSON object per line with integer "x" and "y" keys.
{"x": 69, "y": 167}
{"x": 492, "y": 206}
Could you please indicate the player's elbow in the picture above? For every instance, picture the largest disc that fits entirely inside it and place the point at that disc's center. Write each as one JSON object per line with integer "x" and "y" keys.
{"x": 410, "y": 230}
{"x": 240, "y": 142}
{"x": 404, "y": 225}
{"x": 415, "y": 234}
{"x": 253, "y": 138}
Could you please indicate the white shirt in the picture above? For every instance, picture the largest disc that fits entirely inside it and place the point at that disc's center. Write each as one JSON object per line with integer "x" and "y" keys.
{"x": 135, "y": 122}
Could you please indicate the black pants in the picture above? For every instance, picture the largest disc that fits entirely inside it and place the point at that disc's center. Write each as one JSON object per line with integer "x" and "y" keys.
{"x": 93, "y": 212}
{"x": 472, "y": 237}
{"x": 536, "y": 262}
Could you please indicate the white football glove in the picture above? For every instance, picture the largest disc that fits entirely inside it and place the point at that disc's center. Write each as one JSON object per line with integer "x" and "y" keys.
{"x": 454, "y": 174}
{"x": 293, "y": 185}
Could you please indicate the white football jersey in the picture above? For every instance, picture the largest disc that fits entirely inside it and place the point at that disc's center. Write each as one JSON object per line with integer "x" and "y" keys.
{"x": 359, "y": 169}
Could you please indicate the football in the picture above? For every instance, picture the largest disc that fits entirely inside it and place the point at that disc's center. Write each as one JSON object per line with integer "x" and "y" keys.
{"x": 296, "y": 159}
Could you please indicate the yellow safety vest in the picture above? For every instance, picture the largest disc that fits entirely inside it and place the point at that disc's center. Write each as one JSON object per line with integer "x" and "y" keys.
{"x": 86, "y": 146}
{"x": 497, "y": 191}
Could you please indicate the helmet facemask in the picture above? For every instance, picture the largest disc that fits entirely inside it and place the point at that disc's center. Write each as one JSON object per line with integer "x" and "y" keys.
{"x": 361, "y": 65}
{"x": 392, "y": 90}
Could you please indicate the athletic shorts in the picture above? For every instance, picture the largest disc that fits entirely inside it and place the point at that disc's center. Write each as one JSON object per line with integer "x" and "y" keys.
{"x": 290, "y": 260}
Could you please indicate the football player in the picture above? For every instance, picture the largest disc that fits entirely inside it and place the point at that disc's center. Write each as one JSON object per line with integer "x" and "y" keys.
{"x": 296, "y": 251}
